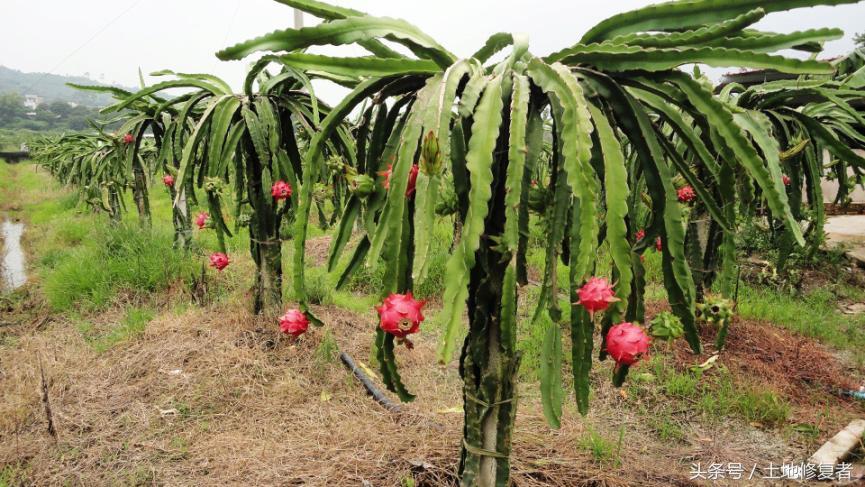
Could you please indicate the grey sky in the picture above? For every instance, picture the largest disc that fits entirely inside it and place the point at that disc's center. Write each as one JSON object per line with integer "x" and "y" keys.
{"x": 113, "y": 38}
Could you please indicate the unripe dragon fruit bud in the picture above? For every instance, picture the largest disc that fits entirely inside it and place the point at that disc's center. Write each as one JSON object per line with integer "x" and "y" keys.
{"x": 596, "y": 295}
{"x": 280, "y": 190}
{"x": 786, "y": 180}
{"x": 201, "y": 220}
{"x": 293, "y": 323}
{"x": 659, "y": 246}
{"x": 219, "y": 261}
{"x": 431, "y": 156}
{"x": 447, "y": 203}
{"x": 640, "y": 235}
{"x": 666, "y": 326}
{"x": 363, "y": 185}
{"x": 400, "y": 314}
{"x": 627, "y": 343}
{"x": 686, "y": 194}
{"x": 412, "y": 178}
{"x": 539, "y": 198}
{"x": 168, "y": 180}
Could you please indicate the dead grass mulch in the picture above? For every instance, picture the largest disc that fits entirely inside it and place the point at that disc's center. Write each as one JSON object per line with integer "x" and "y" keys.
{"x": 801, "y": 370}
{"x": 215, "y": 396}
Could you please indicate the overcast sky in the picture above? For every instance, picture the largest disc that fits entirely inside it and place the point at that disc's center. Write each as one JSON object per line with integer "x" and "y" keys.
{"x": 111, "y": 39}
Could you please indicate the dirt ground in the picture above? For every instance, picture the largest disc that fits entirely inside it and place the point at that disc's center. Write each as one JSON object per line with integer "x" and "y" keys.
{"x": 213, "y": 396}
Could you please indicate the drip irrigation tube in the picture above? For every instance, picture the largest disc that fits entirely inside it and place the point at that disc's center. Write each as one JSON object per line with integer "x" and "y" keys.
{"x": 368, "y": 384}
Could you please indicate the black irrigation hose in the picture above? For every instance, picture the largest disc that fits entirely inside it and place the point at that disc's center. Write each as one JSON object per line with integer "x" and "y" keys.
{"x": 371, "y": 388}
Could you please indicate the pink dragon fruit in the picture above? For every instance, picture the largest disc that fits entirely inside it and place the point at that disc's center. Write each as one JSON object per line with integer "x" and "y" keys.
{"x": 400, "y": 315}
{"x": 596, "y": 295}
{"x": 168, "y": 180}
{"x": 128, "y": 139}
{"x": 201, "y": 220}
{"x": 293, "y": 323}
{"x": 219, "y": 261}
{"x": 686, "y": 194}
{"x": 640, "y": 234}
{"x": 280, "y": 190}
{"x": 627, "y": 343}
{"x": 412, "y": 178}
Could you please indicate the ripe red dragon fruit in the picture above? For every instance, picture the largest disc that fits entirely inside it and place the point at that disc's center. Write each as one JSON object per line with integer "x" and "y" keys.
{"x": 412, "y": 178}
{"x": 627, "y": 343}
{"x": 219, "y": 261}
{"x": 168, "y": 180}
{"x": 128, "y": 139}
{"x": 596, "y": 295}
{"x": 686, "y": 194}
{"x": 786, "y": 180}
{"x": 401, "y": 315}
{"x": 201, "y": 220}
{"x": 280, "y": 190}
{"x": 293, "y": 323}
{"x": 659, "y": 246}
{"x": 640, "y": 234}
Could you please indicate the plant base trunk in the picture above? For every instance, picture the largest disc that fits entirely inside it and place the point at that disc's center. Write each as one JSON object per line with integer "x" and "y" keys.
{"x": 489, "y": 360}
{"x": 182, "y": 222}
{"x": 268, "y": 277}
{"x": 139, "y": 194}
{"x": 114, "y": 208}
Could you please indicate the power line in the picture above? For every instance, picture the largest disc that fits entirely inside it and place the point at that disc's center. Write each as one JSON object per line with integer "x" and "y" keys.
{"x": 88, "y": 41}
{"x": 228, "y": 30}
{"x": 94, "y": 36}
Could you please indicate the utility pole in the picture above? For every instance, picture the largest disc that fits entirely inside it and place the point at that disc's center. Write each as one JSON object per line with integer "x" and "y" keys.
{"x": 298, "y": 19}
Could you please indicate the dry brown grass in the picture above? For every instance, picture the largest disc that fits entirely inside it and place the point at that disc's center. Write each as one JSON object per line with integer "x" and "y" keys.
{"x": 215, "y": 396}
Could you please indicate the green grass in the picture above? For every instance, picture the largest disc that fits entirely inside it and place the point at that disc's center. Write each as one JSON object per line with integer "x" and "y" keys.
{"x": 132, "y": 325}
{"x": 327, "y": 350}
{"x": 721, "y": 399}
{"x": 83, "y": 262}
{"x": 814, "y": 314}
{"x": 13, "y": 474}
{"x": 113, "y": 260}
{"x": 603, "y": 449}
{"x": 713, "y": 394}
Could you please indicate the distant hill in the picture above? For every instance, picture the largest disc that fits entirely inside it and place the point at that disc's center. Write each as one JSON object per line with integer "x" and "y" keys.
{"x": 51, "y": 87}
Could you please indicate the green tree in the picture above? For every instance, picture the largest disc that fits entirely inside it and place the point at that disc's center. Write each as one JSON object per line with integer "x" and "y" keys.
{"x": 11, "y": 107}
{"x": 60, "y": 108}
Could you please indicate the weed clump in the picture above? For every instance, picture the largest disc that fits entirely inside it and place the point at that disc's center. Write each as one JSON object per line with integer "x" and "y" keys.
{"x": 115, "y": 259}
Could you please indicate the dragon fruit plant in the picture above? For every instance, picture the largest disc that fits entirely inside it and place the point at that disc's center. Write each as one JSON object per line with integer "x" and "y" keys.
{"x": 815, "y": 115}
{"x": 98, "y": 165}
{"x": 249, "y": 143}
{"x": 151, "y": 114}
{"x": 479, "y": 127}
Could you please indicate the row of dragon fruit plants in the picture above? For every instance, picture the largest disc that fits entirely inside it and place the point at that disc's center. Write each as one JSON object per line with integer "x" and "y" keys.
{"x": 604, "y": 146}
